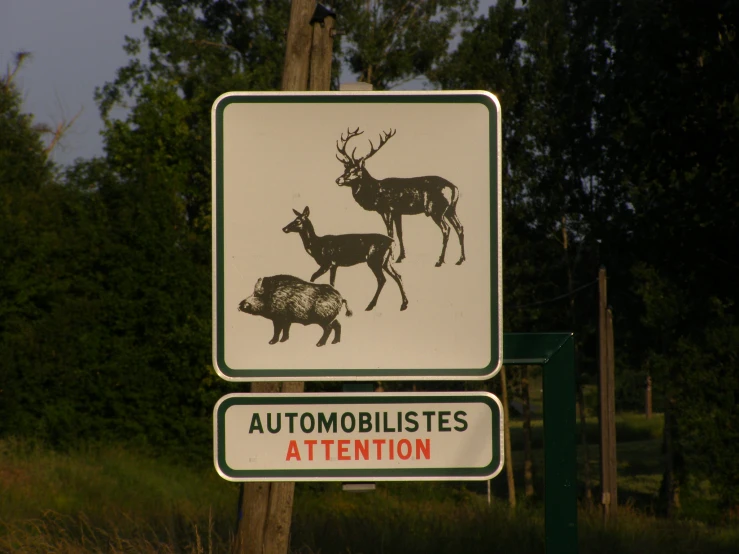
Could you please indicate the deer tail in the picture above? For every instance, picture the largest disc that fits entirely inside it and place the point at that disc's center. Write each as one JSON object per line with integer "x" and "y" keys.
{"x": 455, "y": 197}
{"x": 346, "y": 305}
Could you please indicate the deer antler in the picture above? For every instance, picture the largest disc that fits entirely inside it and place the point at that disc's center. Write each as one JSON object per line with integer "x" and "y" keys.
{"x": 342, "y": 149}
{"x": 383, "y": 139}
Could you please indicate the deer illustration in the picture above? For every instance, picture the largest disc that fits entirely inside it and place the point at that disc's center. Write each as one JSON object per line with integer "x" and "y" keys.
{"x": 333, "y": 251}
{"x": 394, "y": 197}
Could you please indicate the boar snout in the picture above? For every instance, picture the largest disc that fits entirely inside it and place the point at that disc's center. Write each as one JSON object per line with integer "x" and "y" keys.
{"x": 247, "y": 305}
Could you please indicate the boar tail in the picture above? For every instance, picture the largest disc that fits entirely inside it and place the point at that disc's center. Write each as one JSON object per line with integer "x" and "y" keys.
{"x": 346, "y": 304}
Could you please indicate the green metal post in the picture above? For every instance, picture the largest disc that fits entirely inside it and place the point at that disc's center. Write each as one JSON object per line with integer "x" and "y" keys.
{"x": 556, "y": 353}
{"x": 560, "y": 463}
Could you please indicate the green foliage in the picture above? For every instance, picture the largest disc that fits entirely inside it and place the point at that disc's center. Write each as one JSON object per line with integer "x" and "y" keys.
{"x": 105, "y": 328}
{"x": 39, "y": 285}
{"x": 620, "y": 131}
{"x": 391, "y": 41}
{"x": 671, "y": 120}
{"x": 200, "y": 46}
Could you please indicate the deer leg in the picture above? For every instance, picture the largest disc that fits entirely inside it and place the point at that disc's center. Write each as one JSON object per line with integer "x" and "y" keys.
{"x": 398, "y": 220}
{"x": 387, "y": 219}
{"x": 321, "y": 271}
{"x": 336, "y": 326}
{"x": 277, "y": 329}
{"x": 285, "y": 332}
{"x": 375, "y": 264}
{"x": 333, "y": 275}
{"x": 444, "y": 226}
{"x": 451, "y": 216}
{"x": 396, "y": 277}
{"x": 324, "y": 336}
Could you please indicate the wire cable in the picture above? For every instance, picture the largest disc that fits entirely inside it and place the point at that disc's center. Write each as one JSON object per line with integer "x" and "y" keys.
{"x": 560, "y": 297}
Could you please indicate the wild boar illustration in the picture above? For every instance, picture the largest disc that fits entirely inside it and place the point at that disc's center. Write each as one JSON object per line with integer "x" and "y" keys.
{"x": 285, "y": 300}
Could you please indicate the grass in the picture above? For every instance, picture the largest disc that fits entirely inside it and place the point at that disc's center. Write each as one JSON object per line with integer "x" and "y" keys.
{"x": 113, "y": 500}
{"x": 106, "y": 500}
{"x": 411, "y": 518}
{"x": 639, "y": 455}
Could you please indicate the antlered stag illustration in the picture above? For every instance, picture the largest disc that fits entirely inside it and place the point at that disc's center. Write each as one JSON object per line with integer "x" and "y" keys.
{"x": 394, "y": 197}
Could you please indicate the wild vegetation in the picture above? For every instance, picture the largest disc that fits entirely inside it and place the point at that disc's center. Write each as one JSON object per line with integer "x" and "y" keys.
{"x": 114, "y": 499}
{"x": 621, "y": 128}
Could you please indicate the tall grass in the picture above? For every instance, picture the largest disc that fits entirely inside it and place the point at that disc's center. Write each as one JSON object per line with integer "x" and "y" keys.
{"x": 636, "y": 533}
{"x": 107, "y": 500}
{"x": 383, "y": 522}
{"x": 111, "y": 500}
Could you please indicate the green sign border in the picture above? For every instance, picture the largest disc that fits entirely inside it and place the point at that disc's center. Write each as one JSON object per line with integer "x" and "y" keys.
{"x": 338, "y": 399}
{"x": 294, "y": 374}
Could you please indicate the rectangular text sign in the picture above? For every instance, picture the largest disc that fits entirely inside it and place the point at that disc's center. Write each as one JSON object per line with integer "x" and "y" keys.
{"x": 358, "y": 437}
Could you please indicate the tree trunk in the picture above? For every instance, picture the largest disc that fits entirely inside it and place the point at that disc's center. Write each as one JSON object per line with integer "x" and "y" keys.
{"x": 528, "y": 464}
{"x": 252, "y": 515}
{"x": 607, "y": 406}
{"x": 321, "y": 55}
{"x": 586, "y": 450}
{"x": 507, "y": 439}
{"x": 266, "y": 508}
{"x": 298, "y": 48}
{"x": 669, "y": 480}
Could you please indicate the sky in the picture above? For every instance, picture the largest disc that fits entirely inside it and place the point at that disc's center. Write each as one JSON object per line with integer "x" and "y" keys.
{"x": 77, "y": 45}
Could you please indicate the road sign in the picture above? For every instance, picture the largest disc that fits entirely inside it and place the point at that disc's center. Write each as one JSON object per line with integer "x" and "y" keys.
{"x": 381, "y": 204}
{"x": 358, "y": 437}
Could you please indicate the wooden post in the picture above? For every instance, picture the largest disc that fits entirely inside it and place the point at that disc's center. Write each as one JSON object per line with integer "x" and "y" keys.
{"x": 507, "y": 439}
{"x": 648, "y": 398}
{"x": 322, "y": 48}
{"x": 585, "y": 448}
{"x": 528, "y": 463}
{"x": 266, "y": 508}
{"x": 255, "y": 500}
{"x": 612, "y": 463}
{"x": 298, "y": 49}
{"x": 607, "y": 417}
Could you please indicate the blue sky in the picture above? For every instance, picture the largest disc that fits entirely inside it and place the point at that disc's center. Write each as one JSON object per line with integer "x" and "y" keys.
{"x": 76, "y": 46}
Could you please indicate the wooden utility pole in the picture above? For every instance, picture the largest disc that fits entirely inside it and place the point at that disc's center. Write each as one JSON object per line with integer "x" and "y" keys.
{"x": 298, "y": 48}
{"x": 528, "y": 462}
{"x": 612, "y": 463}
{"x": 265, "y": 510}
{"x": 322, "y": 49}
{"x": 507, "y": 439}
{"x": 607, "y": 402}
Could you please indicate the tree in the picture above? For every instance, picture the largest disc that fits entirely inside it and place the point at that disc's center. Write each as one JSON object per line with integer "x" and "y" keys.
{"x": 49, "y": 301}
{"x": 673, "y": 115}
{"x": 392, "y": 41}
{"x": 619, "y": 133}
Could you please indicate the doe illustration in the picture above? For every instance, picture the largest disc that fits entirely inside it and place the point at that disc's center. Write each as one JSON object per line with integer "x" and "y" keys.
{"x": 285, "y": 300}
{"x": 332, "y": 251}
{"x": 394, "y": 197}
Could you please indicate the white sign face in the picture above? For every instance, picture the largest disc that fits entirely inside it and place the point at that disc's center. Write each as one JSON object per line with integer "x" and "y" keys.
{"x": 392, "y": 198}
{"x": 355, "y": 437}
